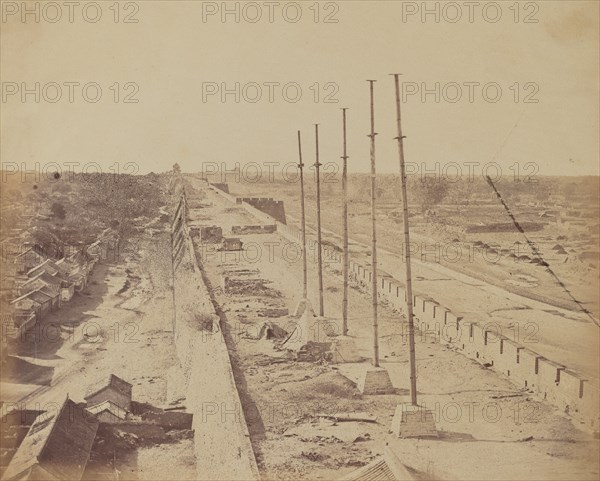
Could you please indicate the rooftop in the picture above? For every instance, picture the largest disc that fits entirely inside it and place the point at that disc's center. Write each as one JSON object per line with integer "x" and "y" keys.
{"x": 114, "y": 382}
{"x": 57, "y": 442}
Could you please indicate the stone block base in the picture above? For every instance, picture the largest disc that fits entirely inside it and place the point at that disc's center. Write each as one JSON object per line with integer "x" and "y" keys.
{"x": 302, "y": 306}
{"x": 375, "y": 380}
{"x": 413, "y": 422}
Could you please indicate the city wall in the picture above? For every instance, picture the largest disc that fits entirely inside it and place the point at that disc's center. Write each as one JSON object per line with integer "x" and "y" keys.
{"x": 221, "y": 439}
{"x": 273, "y": 208}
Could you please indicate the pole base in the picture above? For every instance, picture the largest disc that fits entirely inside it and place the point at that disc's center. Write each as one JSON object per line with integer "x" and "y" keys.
{"x": 413, "y": 422}
{"x": 375, "y": 380}
{"x": 303, "y": 305}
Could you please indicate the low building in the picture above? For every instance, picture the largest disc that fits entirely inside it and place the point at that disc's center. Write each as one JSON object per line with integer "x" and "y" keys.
{"x": 98, "y": 250}
{"x": 108, "y": 412}
{"x": 47, "y": 266}
{"x": 22, "y": 316}
{"x": 37, "y": 300}
{"x": 67, "y": 293}
{"x": 23, "y": 321}
{"x": 57, "y": 446}
{"x": 46, "y": 300}
{"x": 85, "y": 262}
{"x": 28, "y": 259}
{"x": 76, "y": 269}
{"x": 9, "y": 280}
{"x": 43, "y": 279}
{"x": 45, "y": 283}
{"x": 116, "y": 390}
{"x": 105, "y": 249}
{"x": 14, "y": 424}
{"x": 69, "y": 272}
{"x": 232, "y": 244}
{"x": 54, "y": 294}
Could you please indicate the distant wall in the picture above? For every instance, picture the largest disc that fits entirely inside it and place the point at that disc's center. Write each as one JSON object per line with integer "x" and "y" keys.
{"x": 223, "y": 187}
{"x": 561, "y": 386}
{"x": 273, "y": 208}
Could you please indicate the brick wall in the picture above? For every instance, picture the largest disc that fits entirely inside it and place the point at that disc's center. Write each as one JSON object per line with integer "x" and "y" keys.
{"x": 221, "y": 438}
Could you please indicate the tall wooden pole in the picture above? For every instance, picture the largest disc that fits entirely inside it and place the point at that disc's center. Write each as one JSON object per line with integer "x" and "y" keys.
{"x": 319, "y": 255}
{"x": 374, "y": 232}
{"x": 409, "y": 296}
{"x": 345, "y": 222}
{"x": 300, "y": 166}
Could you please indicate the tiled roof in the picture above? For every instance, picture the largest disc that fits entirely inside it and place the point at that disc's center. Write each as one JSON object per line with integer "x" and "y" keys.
{"x": 113, "y": 381}
{"x": 108, "y": 406}
{"x": 384, "y": 468}
{"x": 36, "y": 296}
{"x": 58, "y": 443}
{"x": 40, "y": 296}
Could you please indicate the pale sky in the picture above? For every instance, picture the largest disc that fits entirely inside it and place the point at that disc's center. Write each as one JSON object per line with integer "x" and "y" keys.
{"x": 171, "y": 53}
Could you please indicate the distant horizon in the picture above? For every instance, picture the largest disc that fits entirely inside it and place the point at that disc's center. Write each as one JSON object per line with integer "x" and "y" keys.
{"x": 48, "y": 174}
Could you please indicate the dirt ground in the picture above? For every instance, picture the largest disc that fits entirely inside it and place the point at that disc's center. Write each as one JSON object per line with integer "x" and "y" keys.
{"x": 523, "y": 299}
{"x": 488, "y": 428}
